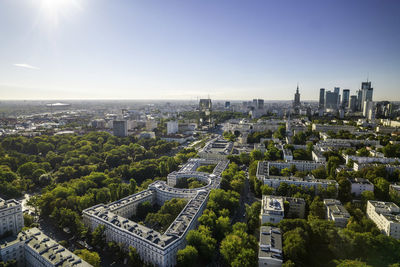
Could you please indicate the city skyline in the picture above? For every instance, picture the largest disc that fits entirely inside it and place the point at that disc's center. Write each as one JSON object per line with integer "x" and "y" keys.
{"x": 69, "y": 49}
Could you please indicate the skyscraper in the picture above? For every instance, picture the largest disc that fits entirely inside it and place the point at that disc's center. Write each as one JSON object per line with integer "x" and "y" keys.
{"x": 322, "y": 98}
{"x": 260, "y": 103}
{"x": 345, "y": 98}
{"x": 227, "y": 105}
{"x": 331, "y": 100}
{"x": 336, "y": 90}
{"x": 359, "y": 99}
{"x": 353, "y": 103}
{"x": 367, "y": 91}
{"x": 255, "y": 103}
{"x": 296, "y": 102}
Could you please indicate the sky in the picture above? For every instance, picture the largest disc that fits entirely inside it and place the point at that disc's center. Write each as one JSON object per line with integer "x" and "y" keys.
{"x": 174, "y": 49}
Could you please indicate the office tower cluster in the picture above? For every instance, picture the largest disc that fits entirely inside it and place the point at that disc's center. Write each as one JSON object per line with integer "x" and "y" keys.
{"x": 333, "y": 101}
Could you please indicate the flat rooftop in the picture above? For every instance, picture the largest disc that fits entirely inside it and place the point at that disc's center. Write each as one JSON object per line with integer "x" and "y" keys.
{"x": 8, "y": 203}
{"x": 270, "y": 243}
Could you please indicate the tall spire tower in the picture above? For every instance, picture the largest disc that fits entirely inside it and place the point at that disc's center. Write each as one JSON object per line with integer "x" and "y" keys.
{"x": 296, "y": 103}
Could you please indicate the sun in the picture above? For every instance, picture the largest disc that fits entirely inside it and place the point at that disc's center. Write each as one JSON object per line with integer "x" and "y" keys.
{"x": 54, "y": 10}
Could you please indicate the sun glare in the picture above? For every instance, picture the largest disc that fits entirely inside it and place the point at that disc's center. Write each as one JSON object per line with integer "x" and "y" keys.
{"x": 54, "y": 10}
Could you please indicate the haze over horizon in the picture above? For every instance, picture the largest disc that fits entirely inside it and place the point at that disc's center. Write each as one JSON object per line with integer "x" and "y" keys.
{"x": 236, "y": 50}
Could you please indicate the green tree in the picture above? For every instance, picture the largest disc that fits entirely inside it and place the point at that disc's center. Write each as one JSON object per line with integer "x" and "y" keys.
{"x": 99, "y": 237}
{"x": 91, "y": 257}
{"x": 202, "y": 240}
{"x": 187, "y": 256}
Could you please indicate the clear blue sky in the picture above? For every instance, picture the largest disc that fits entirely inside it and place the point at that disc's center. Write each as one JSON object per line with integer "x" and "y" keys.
{"x": 167, "y": 49}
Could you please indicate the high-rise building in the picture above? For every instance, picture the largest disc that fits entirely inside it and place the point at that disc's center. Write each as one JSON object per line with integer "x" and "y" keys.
{"x": 367, "y": 91}
{"x": 322, "y": 98}
{"x": 260, "y": 103}
{"x": 205, "y": 104}
{"x": 359, "y": 99}
{"x": 369, "y": 110}
{"x": 205, "y": 107}
{"x": 227, "y": 105}
{"x": 120, "y": 128}
{"x": 331, "y": 100}
{"x": 336, "y": 90}
{"x": 345, "y": 98}
{"x": 296, "y": 102}
{"x": 353, "y": 103}
{"x": 255, "y": 103}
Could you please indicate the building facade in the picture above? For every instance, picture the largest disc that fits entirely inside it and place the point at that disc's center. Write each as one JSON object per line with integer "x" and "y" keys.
{"x": 386, "y": 216}
{"x": 11, "y": 217}
{"x": 336, "y": 212}
{"x": 32, "y": 248}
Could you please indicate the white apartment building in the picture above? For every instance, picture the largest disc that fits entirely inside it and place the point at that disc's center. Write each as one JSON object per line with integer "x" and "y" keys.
{"x": 386, "y": 216}
{"x": 272, "y": 210}
{"x": 11, "y": 218}
{"x": 263, "y": 168}
{"x": 362, "y": 160}
{"x": 336, "y": 212}
{"x": 172, "y": 127}
{"x": 217, "y": 148}
{"x": 287, "y": 154}
{"x": 334, "y": 128}
{"x": 152, "y": 246}
{"x": 32, "y": 248}
{"x": 359, "y": 185}
{"x": 270, "y": 247}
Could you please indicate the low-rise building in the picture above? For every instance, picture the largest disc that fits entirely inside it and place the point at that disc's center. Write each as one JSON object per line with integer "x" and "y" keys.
{"x": 275, "y": 181}
{"x": 32, "y": 248}
{"x": 271, "y": 207}
{"x": 11, "y": 218}
{"x": 386, "y": 216}
{"x": 359, "y": 185}
{"x": 333, "y": 128}
{"x": 272, "y": 210}
{"x": 287, "y": 154}
{"x": 317, "y": 156}
{"x": 217, "y": 148}
{"x": 264, "y": 167}
{"x": 336, "y": 212}
{"x": 360, "y": 159}
{"x": 297, "y": 207}
{"x": 270, "y": 247}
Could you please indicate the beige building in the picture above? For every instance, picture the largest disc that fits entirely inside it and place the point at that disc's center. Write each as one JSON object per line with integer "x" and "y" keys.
{"x": 336, "y": 212}
{"x": 11, "y": 218}
{"x": 386, "y": 216}
{"x": 32, "y": 248}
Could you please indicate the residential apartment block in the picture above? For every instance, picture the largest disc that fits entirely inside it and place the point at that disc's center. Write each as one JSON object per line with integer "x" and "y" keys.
{"x": 336, "y": 212}
{"x": 11, "y": 218}
{"x": 270, "y": 247}
{"x": 152, "y": 246}
{"x": 386, "y": 216}
{"x": 359, "y": 185}
{"x": 32, "y": 248}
